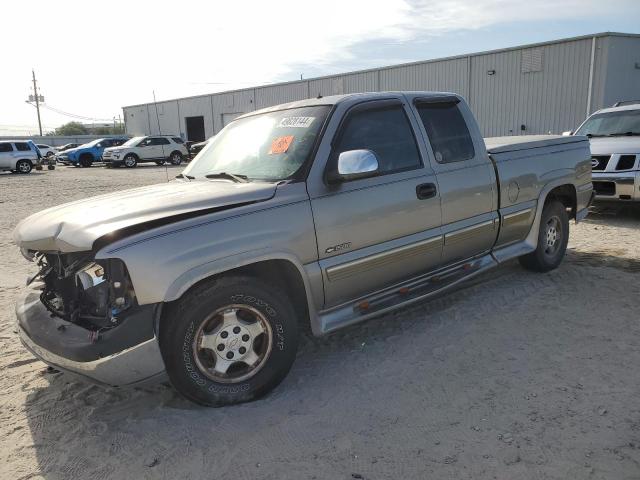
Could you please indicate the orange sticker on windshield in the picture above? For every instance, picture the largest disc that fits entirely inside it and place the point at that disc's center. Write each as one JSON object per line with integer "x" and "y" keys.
{"x": 281, "y": 144}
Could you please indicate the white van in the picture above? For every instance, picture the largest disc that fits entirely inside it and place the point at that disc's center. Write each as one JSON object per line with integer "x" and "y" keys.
{"x": 18, "y": 155}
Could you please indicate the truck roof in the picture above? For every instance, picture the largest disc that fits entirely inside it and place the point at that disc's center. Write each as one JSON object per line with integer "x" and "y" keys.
{"x": 634, "y": 106}
{"x": 335, "y": 99}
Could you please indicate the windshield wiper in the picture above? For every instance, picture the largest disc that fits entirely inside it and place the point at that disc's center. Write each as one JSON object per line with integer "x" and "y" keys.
{"x": 623, "y": 134}
{"x": 188, "y": 177}
{"x": 228, "y": 176}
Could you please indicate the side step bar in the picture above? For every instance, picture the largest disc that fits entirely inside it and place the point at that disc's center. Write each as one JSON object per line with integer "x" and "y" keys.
{"x": 403, "y": 294}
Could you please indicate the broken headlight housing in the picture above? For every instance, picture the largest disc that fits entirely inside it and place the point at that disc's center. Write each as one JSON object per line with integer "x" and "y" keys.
{"x": 86, "y": 291}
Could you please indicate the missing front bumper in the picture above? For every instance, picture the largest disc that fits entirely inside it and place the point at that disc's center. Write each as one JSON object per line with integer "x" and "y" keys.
{"x": 43, "y": 336}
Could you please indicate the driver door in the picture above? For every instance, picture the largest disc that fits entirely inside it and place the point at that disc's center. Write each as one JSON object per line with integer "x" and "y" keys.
{"x": 375, "y": 232}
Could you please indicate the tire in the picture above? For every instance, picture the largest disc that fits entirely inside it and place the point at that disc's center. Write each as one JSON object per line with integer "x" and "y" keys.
{"x": 160, "y": 162}
{"x": 553, "y": 236}
{"x": 175, "y": 158}
{"x": 24, "y": 166}
{"x": 86, "y": 161}
{"x": 217, "y": 313}
{"x": 130, "y": 161}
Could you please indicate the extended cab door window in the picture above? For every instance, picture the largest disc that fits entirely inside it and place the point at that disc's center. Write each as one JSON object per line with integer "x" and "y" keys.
{"x": 374, "y": 232}
{"x": 386, "y": 132}
{"x": 465, "y": 177}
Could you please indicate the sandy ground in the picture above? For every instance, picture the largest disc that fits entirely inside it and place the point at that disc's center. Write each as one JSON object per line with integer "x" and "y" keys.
{"x": 518, "y": 375}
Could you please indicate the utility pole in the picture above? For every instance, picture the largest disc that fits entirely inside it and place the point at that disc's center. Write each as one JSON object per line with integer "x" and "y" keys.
{"x": 37, "y": 98}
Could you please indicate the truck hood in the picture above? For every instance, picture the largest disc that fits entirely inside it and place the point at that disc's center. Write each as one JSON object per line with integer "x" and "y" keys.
{"x": 610, "y": 145}
{"x": 75, "y": 226}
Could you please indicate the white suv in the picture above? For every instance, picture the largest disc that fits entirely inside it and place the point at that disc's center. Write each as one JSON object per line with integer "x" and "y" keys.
{"x": 18, "y": 155}
{"x": 154, "y": 148}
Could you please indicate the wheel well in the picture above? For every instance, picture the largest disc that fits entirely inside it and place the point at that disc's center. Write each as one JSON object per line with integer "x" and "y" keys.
{"x": 131, "y": 154}
{"x": 567, "y": 195}
{"x": 282, "y": 273}
{"x": 85, "y": 155}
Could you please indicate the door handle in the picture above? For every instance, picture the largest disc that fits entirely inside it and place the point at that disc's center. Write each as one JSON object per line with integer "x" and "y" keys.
{"x": 426, "y": 190}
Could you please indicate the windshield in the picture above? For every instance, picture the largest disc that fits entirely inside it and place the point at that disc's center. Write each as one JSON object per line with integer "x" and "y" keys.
{"x": 272, "y": 146}
{"x": 131, "y": 142}
{"x": 625, "y": 122}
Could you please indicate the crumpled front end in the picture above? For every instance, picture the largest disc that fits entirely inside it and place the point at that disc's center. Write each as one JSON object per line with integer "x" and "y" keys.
{"x": 82, "y": 316}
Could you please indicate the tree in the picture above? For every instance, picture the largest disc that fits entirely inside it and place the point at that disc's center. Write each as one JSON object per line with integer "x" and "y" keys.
{"x": 71, "y": 128}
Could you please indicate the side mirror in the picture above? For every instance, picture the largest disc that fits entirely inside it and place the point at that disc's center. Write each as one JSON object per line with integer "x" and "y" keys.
{"x": 353, "y": 165}
{"x": 568, "y": 133}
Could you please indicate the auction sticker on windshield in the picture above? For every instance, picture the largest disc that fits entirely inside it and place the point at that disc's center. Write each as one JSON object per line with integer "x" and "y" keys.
{"x": 296, "y": 122}
{"x": 281, "y": 144}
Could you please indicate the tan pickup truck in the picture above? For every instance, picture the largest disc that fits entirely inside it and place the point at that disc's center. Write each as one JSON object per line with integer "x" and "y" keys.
{"x": 315, "y": 214}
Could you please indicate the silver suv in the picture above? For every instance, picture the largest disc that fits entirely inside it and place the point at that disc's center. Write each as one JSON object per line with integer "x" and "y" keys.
{"x": 18, "y": 156}
{"x": 614, "y": 134}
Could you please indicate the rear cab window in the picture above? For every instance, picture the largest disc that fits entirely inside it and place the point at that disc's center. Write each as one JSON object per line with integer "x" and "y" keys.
{"x": 383, "y": 129}
{"x": 177, "y": 140}
{"x": 446, "y": 130}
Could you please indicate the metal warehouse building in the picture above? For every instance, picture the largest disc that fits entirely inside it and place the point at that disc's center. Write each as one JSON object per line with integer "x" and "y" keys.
{"x": 531, "y": 89}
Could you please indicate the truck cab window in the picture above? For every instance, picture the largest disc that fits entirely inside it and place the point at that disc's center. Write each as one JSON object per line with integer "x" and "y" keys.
{"x": 386, "y": 132}
{"x": 447, "y": 131}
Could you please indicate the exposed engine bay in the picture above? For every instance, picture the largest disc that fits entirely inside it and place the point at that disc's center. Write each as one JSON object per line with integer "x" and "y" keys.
{"x": 83, "y": 291}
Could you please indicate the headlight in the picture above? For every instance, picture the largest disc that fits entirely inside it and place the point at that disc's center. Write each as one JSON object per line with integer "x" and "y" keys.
{"x": 108, "y": 290}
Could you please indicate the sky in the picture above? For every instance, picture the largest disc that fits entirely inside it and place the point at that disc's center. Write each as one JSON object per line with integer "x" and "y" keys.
{"x": 91, "y": 58}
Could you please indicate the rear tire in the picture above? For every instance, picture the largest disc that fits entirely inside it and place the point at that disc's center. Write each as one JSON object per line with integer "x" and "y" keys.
{"x": 175, "y": 158}
{"x": 130, "y": 161}
{"x": 229, "y": 340}
{"x": 553, "y": 236}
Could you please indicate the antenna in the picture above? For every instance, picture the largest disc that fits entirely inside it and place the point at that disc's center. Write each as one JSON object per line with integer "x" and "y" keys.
{"x": 155, "y": 104}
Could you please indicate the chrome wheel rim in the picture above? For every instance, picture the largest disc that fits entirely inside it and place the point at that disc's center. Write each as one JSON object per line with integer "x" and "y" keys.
{"x": 129, "y": 162}
{"x": 176, "y": 158}
{"x": 552, "y": 236}
{"x": 232, "y": 344}
{"x": 24, "y": 167}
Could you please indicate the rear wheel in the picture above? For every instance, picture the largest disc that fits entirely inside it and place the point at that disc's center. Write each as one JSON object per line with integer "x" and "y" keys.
{"x": 229, "y": 341}
{"x": 24, "y": 166}
{"x": 552, "y": 239}
{"x": 130, "y": 161}
{"x": 175, "y": 158}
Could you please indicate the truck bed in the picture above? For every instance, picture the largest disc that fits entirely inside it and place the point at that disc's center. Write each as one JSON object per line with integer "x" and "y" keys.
{"x": 497, "y": 145}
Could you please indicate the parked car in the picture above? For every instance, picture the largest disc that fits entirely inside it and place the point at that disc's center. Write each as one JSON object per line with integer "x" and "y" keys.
{"x": 46, "y": 150}
{"x": 614, "y": 134}
{"x": 85, "y": 155}
{"x": 323, "y": 212}
{"x": 19, "y": 156}
{"x": 67, "y": 146}
{"x": 155, "y": 148}
{"x": 197, "y": 147}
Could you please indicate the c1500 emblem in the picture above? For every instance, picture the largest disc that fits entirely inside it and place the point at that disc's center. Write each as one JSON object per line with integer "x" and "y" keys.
{"x": 337, "y": 248}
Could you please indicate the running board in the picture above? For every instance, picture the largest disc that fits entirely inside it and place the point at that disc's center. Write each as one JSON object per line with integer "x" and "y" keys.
{"x": 402, "y": 294}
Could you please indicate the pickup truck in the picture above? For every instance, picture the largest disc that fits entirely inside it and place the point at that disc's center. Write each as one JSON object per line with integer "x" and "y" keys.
{"x": 85, "y": 155}
{"x": 614, "y": 135}
{"x": 315, "y": 214}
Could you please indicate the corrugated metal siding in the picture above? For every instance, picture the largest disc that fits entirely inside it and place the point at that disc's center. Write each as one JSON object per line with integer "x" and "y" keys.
{"x": 447, "y": 75}
{"x": 622, "y": 71}
{"x": 550, "y": 100}
{"x": 137, "y": 120}
{"x": 274, "y": 95}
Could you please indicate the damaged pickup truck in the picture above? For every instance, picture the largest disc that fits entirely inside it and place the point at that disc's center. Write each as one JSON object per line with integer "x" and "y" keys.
{"x": 319, "y": 213}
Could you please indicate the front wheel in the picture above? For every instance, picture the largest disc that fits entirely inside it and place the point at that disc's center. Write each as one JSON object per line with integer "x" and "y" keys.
{"x": 553, "y": 236}
{"x": 229, "y": 341}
